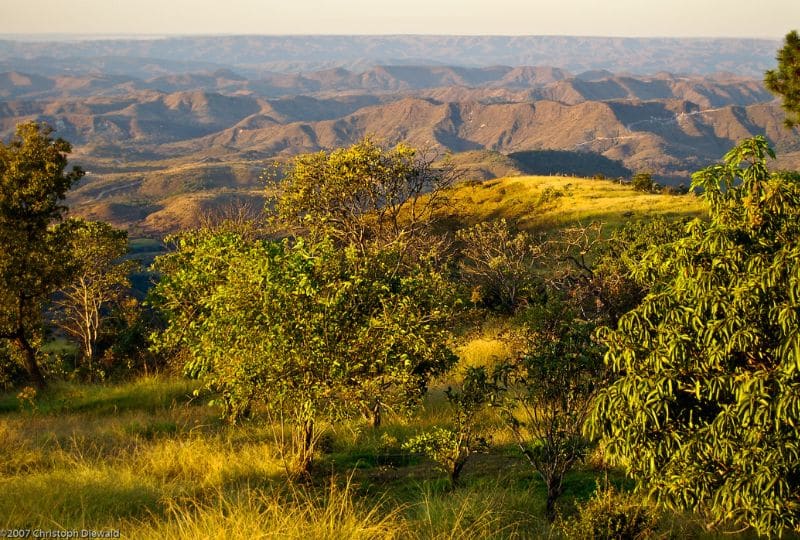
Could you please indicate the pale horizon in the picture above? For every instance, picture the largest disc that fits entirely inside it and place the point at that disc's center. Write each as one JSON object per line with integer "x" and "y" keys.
{"x": 96, "y": 19}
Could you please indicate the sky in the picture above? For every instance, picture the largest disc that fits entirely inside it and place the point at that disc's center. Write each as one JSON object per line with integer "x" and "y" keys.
{"x": 770, "y": 19}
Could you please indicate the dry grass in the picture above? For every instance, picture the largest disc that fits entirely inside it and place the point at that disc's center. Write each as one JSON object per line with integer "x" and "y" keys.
{"x": 542, "y": 202}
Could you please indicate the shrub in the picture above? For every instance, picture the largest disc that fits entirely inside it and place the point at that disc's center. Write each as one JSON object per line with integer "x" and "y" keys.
{"x": 610, "y": 514}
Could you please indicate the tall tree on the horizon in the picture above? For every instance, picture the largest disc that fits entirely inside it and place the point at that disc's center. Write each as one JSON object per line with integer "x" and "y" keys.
{"x": 785, "y": 79}
{"x": 33, "y": 182}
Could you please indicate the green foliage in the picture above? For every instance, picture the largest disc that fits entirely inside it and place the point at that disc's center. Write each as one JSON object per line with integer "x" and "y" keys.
{"x": 130, "y": 325}
{"x": 499, "y": 265}
{"x": 785, "y": 80}
{"x": 11, "y": 372}
{"x": 312, "y": 331}
{"x": 452, "y": 447}
{"x": 98, "y": 282}
{"x": 643, "y": 181}
{"x": 361, "y": 194}
{"x": 705, "y": 407}
{"x": 612, "y": 515}
{"x": 545, "y": 394}
{"x": 34, "y": 263}
{"x": 597, "y": 278}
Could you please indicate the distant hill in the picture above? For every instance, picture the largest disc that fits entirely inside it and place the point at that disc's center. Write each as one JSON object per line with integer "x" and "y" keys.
{"x": 565, "y": 163}
{"x": 523, "y": 83}
{"x": 254, "y": 55}
{"x": 174, "y": 126}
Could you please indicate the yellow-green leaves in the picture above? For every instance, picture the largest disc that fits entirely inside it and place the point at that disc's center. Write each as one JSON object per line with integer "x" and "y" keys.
{"x": 290, "y": 323}
{"x": 704, "y": 409}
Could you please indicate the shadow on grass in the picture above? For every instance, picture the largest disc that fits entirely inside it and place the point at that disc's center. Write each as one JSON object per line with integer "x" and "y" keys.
{"x": 147, "y": 394}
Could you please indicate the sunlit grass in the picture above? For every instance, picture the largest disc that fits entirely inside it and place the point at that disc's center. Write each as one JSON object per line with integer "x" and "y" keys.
{"x": 149, "y": 459}
{"x": 542, "y": 202}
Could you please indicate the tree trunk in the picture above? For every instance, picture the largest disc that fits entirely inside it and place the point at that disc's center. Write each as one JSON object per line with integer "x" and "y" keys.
{"x": 455, "y": 472}
{"x": 376, "y": 414}
{"x": 306, "y": 451}
{"x": 553, "y": 493}
{"x": 31, "y": 365}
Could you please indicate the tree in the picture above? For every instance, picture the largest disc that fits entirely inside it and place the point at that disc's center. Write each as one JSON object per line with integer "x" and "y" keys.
{"x": 34, "y": 263}
{"x": 362, "y": 194}
{"x": 451, "y": 447}
{"x": 99, "y": 281}
{"x": 499, "y": 265}
{"x": 785, "y": 80}
{"x": 596, "y": 275}
{"x": 705, "y": 408}
{"x": 544, "y": 395}
{"x": 312, "y": 331}
{"x": 643, "y": 181}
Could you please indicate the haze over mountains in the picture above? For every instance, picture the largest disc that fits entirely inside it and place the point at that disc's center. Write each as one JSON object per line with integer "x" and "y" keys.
{"x": 253, "y": 55}
{"x": 153, "y": 120}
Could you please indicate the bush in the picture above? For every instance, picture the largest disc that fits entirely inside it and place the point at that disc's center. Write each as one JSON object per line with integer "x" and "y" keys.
{"x": 611, "y": 514}
{"x": 643, "y": 181}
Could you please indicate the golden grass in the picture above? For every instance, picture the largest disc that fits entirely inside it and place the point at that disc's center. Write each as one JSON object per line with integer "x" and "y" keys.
{"x": 300, "y": 515}
{"x": 540, "y": 202}
{"x": 131, "y": 458}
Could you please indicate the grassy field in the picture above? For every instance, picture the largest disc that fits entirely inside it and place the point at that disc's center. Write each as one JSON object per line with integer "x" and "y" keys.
{"x": 151, "y": 459}
{"x": 545, "y": 202}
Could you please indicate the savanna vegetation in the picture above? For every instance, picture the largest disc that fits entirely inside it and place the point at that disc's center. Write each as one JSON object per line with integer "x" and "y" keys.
{"x": 384, "y": 352}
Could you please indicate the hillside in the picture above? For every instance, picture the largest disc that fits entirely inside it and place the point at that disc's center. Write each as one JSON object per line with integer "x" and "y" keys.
{"x": 154, "y": 119}
{"x": 543, "y": 202}
{"x": 666, "y": 123}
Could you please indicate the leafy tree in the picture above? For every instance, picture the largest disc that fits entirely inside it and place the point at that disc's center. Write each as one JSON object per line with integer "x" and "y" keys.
{"x": 312, "y": 331}
{"x": 362, "y": 194}
{"x": 33, "y": 182}
{"x": 545, "y": 394}
{"x": 785, "y": 80}
{"x": 452, "y": 447}
{"x": 499, "y": 265}
{"x": 643, "y": 181}
{"x": 705, "y": 407}
{"x": 99, "y": 281}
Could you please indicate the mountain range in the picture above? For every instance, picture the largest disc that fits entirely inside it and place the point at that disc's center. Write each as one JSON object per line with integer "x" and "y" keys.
{"x": 162, "y": 142}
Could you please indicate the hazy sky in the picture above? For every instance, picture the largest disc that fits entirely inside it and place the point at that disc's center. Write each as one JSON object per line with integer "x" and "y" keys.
{"x": 712, "y": 18}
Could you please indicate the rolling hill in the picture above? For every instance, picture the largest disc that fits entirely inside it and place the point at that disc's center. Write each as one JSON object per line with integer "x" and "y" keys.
{"x": 153, "y": 120}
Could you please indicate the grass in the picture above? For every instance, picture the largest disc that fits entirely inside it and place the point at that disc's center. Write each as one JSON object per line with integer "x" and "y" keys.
{"x": 150, "y": 459}
{"x": 544, "y": 202}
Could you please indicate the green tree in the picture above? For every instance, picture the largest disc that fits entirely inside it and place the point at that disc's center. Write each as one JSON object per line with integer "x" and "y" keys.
{"x": 785, "y": 80}
{"x": 99, "y": 281}
{"x": 362, "y": 194}
{"x": 499, "y": 265}
{"x": 544, "y": 395}
{"x": 451, "y": 447}
{"x": 705, "y": 407}
{"x": 312, "y": 331}
{"x": 643, "y": 181}
{"x": 34, "y": 263}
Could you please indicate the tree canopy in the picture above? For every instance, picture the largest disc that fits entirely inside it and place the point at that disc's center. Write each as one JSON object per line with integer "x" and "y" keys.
{"x": 33, "y": 182}
{"x": 705, "y": 408}
{"x": 312, "y": 331}
{"x": 100, "y": 278}
{"x": 785, "y": 79}
{"x": 361, "y": 194}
